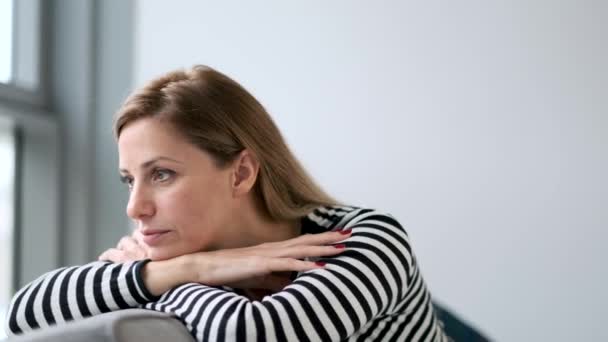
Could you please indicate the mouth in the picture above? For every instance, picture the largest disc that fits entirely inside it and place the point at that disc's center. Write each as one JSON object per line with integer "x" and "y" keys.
{"x": 154, "y": 237}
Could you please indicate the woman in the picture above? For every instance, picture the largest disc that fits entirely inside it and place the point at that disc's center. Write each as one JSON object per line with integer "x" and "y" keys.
{"x": 233, "y": 237}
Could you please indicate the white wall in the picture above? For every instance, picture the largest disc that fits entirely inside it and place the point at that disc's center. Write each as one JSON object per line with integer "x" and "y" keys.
{"x": 483, "y": 126}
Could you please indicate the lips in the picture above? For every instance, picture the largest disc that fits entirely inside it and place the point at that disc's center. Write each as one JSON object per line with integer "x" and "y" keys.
{"x": 154, "y": 236}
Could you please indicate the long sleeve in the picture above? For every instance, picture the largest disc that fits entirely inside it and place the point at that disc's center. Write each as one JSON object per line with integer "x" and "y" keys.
{"x": 73, "y": 293}
{"x": 370, "y": 291}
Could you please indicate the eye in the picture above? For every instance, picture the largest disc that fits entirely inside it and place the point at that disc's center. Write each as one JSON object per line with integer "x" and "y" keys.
{"x": 127, "y": 180}
{"x": 162, "y": 175}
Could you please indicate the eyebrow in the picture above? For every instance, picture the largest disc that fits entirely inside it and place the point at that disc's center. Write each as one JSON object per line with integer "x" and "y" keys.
{"x": 151, "y": 162}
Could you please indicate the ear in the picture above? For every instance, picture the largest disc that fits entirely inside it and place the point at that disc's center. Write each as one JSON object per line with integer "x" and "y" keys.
{"x": 244, "y": 173}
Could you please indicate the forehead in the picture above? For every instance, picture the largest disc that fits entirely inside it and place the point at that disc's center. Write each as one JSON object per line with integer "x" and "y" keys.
{"x": 149, "y": 137}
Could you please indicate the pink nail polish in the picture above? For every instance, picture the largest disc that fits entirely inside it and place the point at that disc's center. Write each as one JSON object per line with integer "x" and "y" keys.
{"x": 346, "y": 231}
{"x": 340, "y": 246}
{"x": 320, "y": 263}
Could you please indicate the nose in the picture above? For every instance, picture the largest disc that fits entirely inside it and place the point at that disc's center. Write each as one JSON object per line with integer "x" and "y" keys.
{"x": 141, "y": 203}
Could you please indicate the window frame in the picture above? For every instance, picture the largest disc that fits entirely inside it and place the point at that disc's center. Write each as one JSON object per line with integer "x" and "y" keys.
{"x": 67, "y": 207}
{"x": 37, "y": 141}
{"x": 29, "y": 24}
{"x": 7, "y": 127}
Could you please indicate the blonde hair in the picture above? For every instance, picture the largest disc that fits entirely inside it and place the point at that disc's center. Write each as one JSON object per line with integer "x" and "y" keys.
{"x": 219, "y": 116}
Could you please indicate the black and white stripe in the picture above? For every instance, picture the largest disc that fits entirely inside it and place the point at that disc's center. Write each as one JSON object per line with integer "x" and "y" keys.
{"x": 76, "y": 292}
{"x": 373, "y": 291}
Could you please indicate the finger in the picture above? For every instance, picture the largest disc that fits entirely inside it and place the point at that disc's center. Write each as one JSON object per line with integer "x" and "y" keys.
{"x": 299, "y": 252}
{"x": 138, "y": 237}
{"x": 318, "y": 239}
{"x": 103, "y": 256}
{"x": 288, "y": 264}
{"x": 127, "y": 243}
{"x": 113, "y": 255}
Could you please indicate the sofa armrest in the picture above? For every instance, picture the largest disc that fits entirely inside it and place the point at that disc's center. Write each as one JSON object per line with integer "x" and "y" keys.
{"x": 118, "y": 326}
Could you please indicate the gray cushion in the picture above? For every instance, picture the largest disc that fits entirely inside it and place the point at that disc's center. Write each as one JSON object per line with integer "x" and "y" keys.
{"x": 120, "y": 326}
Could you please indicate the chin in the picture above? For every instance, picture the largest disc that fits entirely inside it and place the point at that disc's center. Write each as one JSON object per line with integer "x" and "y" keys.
{"x": 169, "y": 251}
{"x": 159, "y": 254}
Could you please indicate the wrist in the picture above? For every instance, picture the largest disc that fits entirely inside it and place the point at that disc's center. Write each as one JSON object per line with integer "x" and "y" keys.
{"x": 194, "y": 268}
{"x": 161, "y": 276}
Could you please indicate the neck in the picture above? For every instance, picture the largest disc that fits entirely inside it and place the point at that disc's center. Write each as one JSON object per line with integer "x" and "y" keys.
{"x": 253, "y": 226}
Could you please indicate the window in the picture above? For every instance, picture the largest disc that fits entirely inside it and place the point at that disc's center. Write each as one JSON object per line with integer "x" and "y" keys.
{"x": 21, "y": 75}
{"x": 29, "y": 149}
{"x": 6, "y": 40}
{"x": 7, "y": 195}
{"x": 7, "y": 160}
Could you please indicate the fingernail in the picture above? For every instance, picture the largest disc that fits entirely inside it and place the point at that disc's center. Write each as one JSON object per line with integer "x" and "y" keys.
{"x": 346, "y": 231}
{"x": 320, "y": 263}
{"x": 340, "y": 245}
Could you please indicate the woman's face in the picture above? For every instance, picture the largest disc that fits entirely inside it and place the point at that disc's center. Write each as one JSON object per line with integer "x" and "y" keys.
{"x": 180, "y": 200}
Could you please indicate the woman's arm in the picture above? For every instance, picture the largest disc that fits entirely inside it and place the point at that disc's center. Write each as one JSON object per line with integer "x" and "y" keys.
{"x": 257, "y": 266}
{"x": 375, "y": 276}
{"x": 73, "y": 293}
{"x": 81, "y": 291}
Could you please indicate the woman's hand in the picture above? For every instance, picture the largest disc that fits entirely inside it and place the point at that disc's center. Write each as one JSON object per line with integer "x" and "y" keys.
{"x": 257, "y": 266}
{"x": 267, "y": 265}
{"x": 129, "y": 248}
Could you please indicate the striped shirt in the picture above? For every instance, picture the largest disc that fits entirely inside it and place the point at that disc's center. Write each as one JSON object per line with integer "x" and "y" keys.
{"x": 372, "y": 291}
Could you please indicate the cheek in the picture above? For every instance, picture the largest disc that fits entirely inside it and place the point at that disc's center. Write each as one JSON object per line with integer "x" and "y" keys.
{"x": 183, "y": 208}
{"x": 197, "y": 218}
